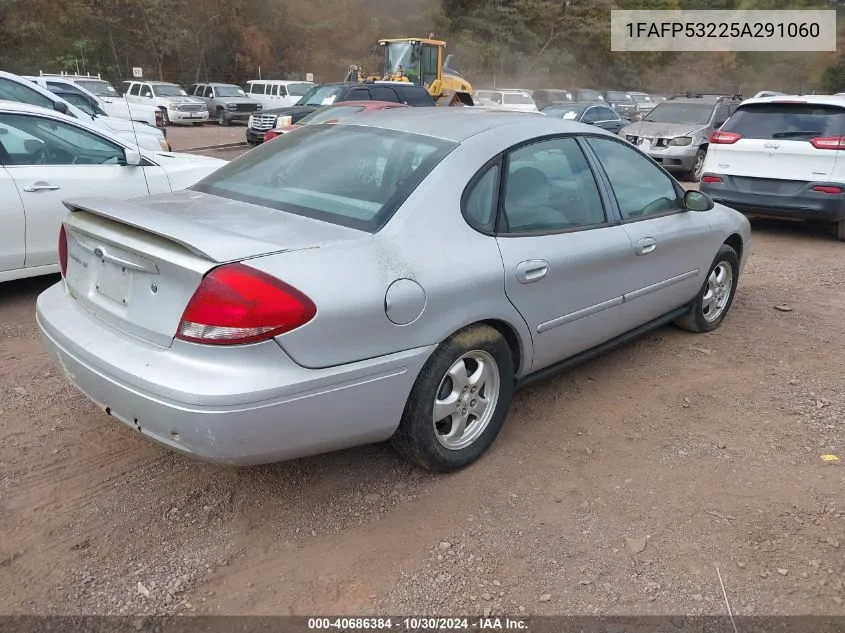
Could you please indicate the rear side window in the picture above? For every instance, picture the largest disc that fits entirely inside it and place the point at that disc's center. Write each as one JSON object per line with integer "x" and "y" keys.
{"x": 787, "y": 121}
{"x": 383, "y": 93}
{"x": 343, "y": 174}
{"x": 416, "y": 98}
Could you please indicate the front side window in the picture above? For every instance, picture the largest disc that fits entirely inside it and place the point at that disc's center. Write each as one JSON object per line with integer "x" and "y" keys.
{"x": 146, "y": 91}
{"x": 549, "y": 187}
{"x": 209, "y": 92}
{"x": 383, "y": 93}
{"x": 606, "y": 114}
{"x": 13, "y": 91}
{"x": 591, "y": 115}
{"x": 640, "y": 187}
{"x": 135, "y": 89}
{"x": 344, "y": 174}
{"x": 33, "y": 140}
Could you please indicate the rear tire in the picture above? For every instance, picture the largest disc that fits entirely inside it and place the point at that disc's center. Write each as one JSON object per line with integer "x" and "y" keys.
{"x": 469, "y": 381}
{"x": 716, "y": 296}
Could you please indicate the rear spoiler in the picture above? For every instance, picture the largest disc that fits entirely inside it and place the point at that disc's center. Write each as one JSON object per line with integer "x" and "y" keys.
{"x": 219, "y": 245}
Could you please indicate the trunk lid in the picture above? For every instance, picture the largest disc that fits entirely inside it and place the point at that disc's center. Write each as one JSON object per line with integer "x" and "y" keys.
{"x": 775, "y": 144}
{"x": 136, "y": 264}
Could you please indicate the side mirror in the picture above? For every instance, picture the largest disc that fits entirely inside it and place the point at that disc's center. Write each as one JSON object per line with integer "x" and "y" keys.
{"x": 697, "y": 201}
{"x": 60, "y": 106}
{"x": 132, "y": 157}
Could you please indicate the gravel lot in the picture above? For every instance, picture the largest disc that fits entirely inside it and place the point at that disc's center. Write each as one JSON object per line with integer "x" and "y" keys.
{"x": 619, "y": 487}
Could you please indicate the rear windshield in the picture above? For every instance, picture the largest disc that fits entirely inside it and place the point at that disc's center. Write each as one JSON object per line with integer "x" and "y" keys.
{"x": 692, "y": 113}
{"x": 344, "y": 174}
{"x": 329, "y": 114}
{"x": 564, "y": 112}
{"x": 516, "y": 98}
{"x": 320, "y": 95}
{"x": 797, "y": 121}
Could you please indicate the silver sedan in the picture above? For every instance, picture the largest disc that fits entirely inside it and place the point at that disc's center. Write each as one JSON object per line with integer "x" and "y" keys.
{"x": 397, "y": 278}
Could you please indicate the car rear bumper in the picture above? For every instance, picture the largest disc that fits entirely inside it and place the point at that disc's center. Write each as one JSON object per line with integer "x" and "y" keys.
{"x": 799, "y": 202}
{"x": 236, "y": 406}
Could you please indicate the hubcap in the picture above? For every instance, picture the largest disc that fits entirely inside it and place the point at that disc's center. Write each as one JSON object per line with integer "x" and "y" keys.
{"x": 466, "y": 400}
{"x": 717, "y": 292}
{"x": 698, "y": 167}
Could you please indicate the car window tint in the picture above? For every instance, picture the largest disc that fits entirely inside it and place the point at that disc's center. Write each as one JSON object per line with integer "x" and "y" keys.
{"x": 283, "y": 91}
{"x": 550, "y": 187}
{"x": 13, "y": 91}
{"x": 383, "y": 93}
{"x": 146, "y": 91}
{"x": 348, "y": 175}
{"x": 787, "y": 121}
{"x": 415, "y": 97}
{"x": 591, "y": 115}
{"x": 606, "y": 114}
{"x": 135, "y": 89}
{"x": 640, "y": 187}
{"x": 358, "y": 94}
{"x": 32, "y": 140}
{"x": 480, "y": 201}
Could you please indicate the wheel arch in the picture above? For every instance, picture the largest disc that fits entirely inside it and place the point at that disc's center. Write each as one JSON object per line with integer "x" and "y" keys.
{"x": 735, "y": 242}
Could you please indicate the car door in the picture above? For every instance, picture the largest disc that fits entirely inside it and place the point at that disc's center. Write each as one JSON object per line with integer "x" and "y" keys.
{"x": 51, "y": 161}
{"x": 133, "y": 94}
{"x": 12, "y": 219}
{"x": 563, "y": 251}
{"x": 672, "y": 248}
{"x": 607, "y": 119}
{"x": 207, "y": 95}
{"x": 145, "y": 94}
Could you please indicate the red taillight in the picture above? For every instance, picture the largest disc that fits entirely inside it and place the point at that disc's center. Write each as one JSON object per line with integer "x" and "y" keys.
{"x": 236, "y": 304}
{"x": 724, "y": 138}
{"x": 827, "y": 189}
{"x": 711, "y": 179}
{"x": 829, "y": 142}
{"x": 63, "y": 250}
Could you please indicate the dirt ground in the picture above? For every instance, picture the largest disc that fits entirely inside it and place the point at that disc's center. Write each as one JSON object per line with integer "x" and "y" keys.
{"x": 621, "y": 487}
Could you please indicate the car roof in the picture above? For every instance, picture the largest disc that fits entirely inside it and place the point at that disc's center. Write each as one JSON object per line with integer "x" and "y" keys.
{"x": 280, "y": 81}
{"x": 216, "y": 83}
{"x": 460, "y": 123}
{"x": 565, "y": 104}
{"x": 809, "y": 99}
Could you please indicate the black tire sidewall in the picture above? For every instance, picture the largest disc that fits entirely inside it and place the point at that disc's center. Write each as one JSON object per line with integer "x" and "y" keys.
{"x": 415, "y": 438}
{"x": 726, "y": 253}
{"x": 165, "y": 119}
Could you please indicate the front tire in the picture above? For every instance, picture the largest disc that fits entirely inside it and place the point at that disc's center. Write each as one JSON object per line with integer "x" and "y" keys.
{"x": 716, "y": 296}
{"x": 165, "y": 119}
{"x": 221, "y": 118}
{"x": 694, "y": 174}
{"x": 459, "y": 401}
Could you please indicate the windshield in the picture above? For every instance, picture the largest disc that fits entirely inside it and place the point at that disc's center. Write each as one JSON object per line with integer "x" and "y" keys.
{"x": 619, "y": 96}
{"x": 590, "y": 95}
{"x": 564, "y": 112}
{"x": 641, "y": 98}
{"x": 344, "y": 174}
{"x": 98, "y": 87}
{"x": 693, "y": 113}
{"x": 516, "y": 98}
{"x": 787, "y": 121}
{"x": 168, "y": 90}
{"x": 297, "y": 90}
{"x": 558, "y": 95}
{"x": 320, "y": 96}
{"x": 228, "y": 91}
{"x": 404, "y": 57}
{"x": 331, "y": 114}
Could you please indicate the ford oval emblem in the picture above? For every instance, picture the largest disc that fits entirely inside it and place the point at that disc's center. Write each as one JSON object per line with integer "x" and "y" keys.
{"x": 98, "y": 251}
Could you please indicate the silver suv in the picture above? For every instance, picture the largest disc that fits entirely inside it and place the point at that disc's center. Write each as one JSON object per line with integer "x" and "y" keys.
{"x": 676, "y": 131}
{"x": 226, "y": 102}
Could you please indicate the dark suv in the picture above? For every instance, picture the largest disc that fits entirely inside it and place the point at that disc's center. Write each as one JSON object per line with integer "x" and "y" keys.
{"x": 328, "y": 94}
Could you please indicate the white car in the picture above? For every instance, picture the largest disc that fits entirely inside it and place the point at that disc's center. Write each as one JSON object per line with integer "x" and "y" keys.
{"x": 46, "y": 158}
{"x": 277, "y": 93}
{"x": 780, "y": 157}
{"x": 173, "y": 102}
{"x": 105, "y": 95}
{"x": 16, "y": 88}
{"x": 509, "y": 100}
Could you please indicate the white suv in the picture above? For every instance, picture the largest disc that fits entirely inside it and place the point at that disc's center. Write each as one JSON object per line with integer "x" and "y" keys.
{"x": 779, "y": 157}
{"x": 175, "y": 104}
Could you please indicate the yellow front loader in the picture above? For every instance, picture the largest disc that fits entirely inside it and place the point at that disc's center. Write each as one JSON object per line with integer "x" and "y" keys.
{"x": 420, "y": 61}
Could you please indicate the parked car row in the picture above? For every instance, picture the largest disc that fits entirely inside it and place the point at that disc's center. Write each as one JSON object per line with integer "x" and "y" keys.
{"x": 629, "y": 105}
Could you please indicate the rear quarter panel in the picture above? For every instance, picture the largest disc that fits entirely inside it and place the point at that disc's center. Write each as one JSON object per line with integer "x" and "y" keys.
{"x": 427, "y": 241}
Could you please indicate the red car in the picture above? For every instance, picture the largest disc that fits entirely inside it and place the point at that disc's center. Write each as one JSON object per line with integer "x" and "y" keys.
{"x": 333, "y": 113}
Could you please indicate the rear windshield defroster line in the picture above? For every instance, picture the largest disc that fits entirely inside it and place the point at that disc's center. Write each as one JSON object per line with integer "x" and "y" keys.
{"x": 349, "y": 175}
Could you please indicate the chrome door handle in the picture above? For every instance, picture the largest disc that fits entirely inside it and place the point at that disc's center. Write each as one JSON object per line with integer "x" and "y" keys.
{"x": 531, "y": 271}
{"x": 41, "y": 186}
{"x": 646, "y": 245}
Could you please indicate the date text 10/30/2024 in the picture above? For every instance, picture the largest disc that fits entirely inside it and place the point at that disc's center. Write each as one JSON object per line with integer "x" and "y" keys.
{"x": 417, "y": 624}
